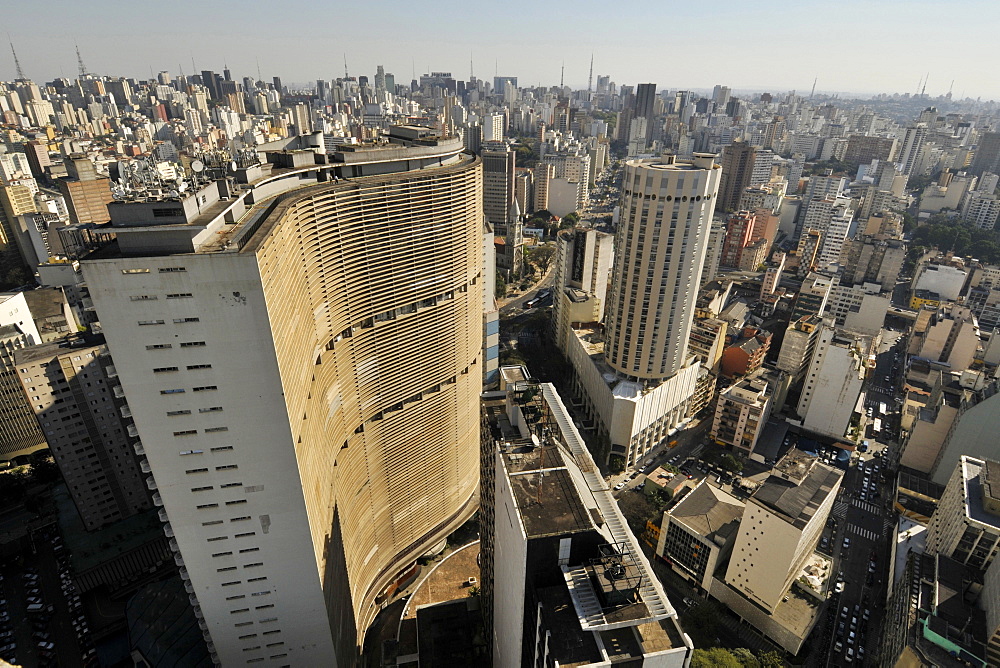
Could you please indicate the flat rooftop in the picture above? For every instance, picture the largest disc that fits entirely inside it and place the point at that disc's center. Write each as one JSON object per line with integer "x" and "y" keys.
{"x": 974, "y": 508}
{"x": 799, "y": 502}
{"x": 549, "y": 503}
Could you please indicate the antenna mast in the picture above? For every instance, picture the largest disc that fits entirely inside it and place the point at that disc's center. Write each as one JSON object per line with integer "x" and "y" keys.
{"x": 924, "y": 89}
{"x": 79, "y": 61}
{"x": 814, "y": 88}
{"x": 590, "y": 77}
{"x": 472, "y": 73}
{"x": 17, "y": 63}
{"x": 562, "y": 75}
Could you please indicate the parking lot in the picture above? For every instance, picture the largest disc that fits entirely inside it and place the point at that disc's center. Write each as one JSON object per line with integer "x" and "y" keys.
{"x": 42, "y": 621}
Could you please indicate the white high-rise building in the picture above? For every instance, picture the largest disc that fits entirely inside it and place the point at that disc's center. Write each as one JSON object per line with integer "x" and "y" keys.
{"x": 913, "y": 141}
{"x": 667, "y": 209}
{"x": 833, "y": 382}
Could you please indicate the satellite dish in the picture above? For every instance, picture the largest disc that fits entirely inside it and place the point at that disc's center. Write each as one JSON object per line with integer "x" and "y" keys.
{"x": 197, "y": 166}
{"x": 232, "y": 165}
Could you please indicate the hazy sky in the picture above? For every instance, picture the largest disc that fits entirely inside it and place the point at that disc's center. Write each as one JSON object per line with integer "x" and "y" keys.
{"x": 852, "y": 45}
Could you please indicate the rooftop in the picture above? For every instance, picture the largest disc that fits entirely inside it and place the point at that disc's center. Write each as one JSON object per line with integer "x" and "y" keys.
{"x": 975, "y": 504}
{"x": 798, "y": 496}
{"x": 709, "y": 511}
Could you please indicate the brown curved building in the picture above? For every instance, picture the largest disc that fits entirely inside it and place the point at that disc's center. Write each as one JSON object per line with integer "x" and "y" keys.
{"x": 323, "y": 348}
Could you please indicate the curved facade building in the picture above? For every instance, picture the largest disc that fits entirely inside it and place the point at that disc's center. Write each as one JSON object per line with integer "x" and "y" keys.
{"x": 667, "y": 208}
{"x": 304, "y": 375}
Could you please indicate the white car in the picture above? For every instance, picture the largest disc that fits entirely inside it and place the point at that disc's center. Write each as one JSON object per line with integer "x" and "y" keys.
{"x": 619, "y": 486}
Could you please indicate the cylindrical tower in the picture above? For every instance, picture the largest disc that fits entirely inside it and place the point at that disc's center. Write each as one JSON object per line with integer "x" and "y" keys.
{"x": 667, "y": 208}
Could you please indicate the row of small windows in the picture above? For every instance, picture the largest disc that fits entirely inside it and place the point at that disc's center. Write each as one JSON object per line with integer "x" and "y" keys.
{"x": 201, "y": 388}
{"x": 192, "y": 432}
{"x": 162, "y": 270}
{"x": 171, "y": 295}
{"x": 224, "y": 467}
{"x": 220, "y": 448}
{"x": 177, "y": 321}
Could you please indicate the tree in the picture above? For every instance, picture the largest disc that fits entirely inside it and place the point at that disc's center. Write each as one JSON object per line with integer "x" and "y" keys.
{"x": 616, "y": 464}
{"x": 541, "y": 256}
{"x": 770, "y": 660}
{"x": 715, "y": 657}
{"x": 730, "y": 463}
{"x": 501, "y": 287}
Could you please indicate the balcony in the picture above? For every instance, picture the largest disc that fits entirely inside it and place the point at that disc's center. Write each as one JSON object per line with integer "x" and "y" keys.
{"x": 110, "y": 371}
{"x": 163, "y": 515}
{"x": 126, "y": 411}
{"x": 139, "y": 450}
{"x": 202, "y": 624}
{"x": 173, "y": 545}
{"x": 144, "y": 466}
{"x": 178, "y": 559}
{"x": 168, "y": 530}
{"x": 184, "y": 575}
{"x": 151, "y": 484}
{"x": 132, "y": 431}
{"x": 118, "y": 392}
{"x": 88, "y": 304}
{"x": 188, "y": 587}
{"x": 157, "y": 500}
{"x": 193, "y": 600}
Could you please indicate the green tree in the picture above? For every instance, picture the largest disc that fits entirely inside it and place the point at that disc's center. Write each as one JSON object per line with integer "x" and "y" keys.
{"x": 730, "y": 463}
{"x": 616, "y": 464}
{"x": 770, "y": 660}
{"x": 501, "y": 287}
{"x": 715, "y": 657}
{"x": 541, "y": 257}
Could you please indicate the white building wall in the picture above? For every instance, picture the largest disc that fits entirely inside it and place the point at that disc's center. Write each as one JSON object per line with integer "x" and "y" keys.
{"x": 14, "y": 311}
{"x": 510, "y": 555}
{"x": 248, "y": 526}
{"x": 833, "y": 384}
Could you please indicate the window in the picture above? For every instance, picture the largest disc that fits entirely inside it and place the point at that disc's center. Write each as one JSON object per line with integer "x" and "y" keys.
{"x": 230, "y": 484}
{"x": 236, "y": 502}
{"x": 214, "y": 539}
{"x": 222, "y": 447}
{"x": 230, "y": 584}
{"x": 159, "y": 346}
{"x": 179, "y": 295}
{"x": 164, "y": 369}
{"x": 222, "y": 554}
{"x": 190, "y": 471}
{"x": 254, "y": 564}
{"x": 190, "y": 344}
{"x": 227, "y": 467}
{"x": 211, "y": 523}
{"x": 176, "y": 391}
{"x": 225, "y": 569}
{"x": 201, "y": 489}
{"x": 167, "y": 270}
{"x": 240, "y": 519}
{"x": 199, "y": 366}
{"x": 192, "y": 452}
{"x": 136, "y": 271}
{"x": 207, "y": 505}
{"x": 213, "y": 409}
{"x": 204, "y": 388}
{"x": 216, "y": 429}
{"x": 178, "y": 321}
{"x": 186, "y": 432}
{"x": 175, "y": 413}
{"x": 152, "y": 322}
{"x": 264, "y": 577}
{"x": 250, "y": 549}
{"x": 244, "y": 535}
{"x": 142, "y": 298}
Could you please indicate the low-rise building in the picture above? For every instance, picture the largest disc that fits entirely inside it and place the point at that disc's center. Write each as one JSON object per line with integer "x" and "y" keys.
{"x": 746, "y": 354}
{"x": 741, "y": 412}
{"x": 697, "y": 533}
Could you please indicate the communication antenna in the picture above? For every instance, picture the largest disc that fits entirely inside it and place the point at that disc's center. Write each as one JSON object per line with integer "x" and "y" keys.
{"x": 79, "y": 61}
{"x": 562, "y": 74}
{"x": 346, "y": 75}
{"x": 924, "y": 89}
{"x": 814, "y": 88}
{"x": 258, "y": 69}
{"x": 951, "y": 87}
{"x": 590, "y": 77}
{"x": 472, "y": 73}
{"x": 17, "y": 63}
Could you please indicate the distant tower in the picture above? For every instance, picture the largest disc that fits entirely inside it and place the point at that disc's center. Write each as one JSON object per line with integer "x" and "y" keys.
{"x": 590, "y": 77}
{"x": 17, "y": 63}
{"x": 79, "y": 61}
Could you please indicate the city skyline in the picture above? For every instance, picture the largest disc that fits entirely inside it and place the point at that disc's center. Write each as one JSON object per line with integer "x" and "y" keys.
{"x": 886, "y": 53}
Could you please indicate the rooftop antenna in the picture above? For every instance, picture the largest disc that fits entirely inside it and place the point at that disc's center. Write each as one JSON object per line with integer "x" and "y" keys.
{"x": 590, "y": 77}
{"x": 919, "y": 83}
{"x": 951, "y": 87}
{"x": 258, "y": 69}
{"x": 814, "y": 88}
{"x": 924, "y": 89}
{"x": 194, "y": 68}
{"x": 472, "y": 73}
{"x": 346, "y": 75}
{"x": 79, "y": 61}
{"x": 17, "y": 63}
{"x": 562, "y": 75}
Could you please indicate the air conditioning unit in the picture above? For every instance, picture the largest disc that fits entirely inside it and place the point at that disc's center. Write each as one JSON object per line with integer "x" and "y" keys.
{"x": 471, "y": 582}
